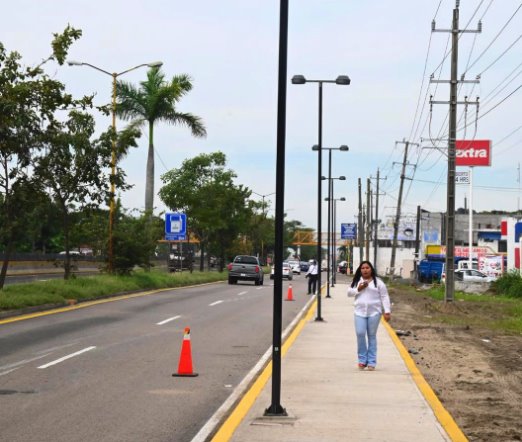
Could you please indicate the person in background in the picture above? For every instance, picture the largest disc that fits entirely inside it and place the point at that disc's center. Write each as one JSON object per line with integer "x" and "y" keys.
{"x": 312, "y": 274}
{"x": 371, "y": 302}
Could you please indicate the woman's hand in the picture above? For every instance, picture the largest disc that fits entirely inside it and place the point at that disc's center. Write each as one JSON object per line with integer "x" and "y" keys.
{"x": 387, "y": 317}
{"x": 362, "y": 285}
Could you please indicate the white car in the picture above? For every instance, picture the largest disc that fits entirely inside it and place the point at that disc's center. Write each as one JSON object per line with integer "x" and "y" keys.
{"x": 472, "y": 275}
{"x": 296, "y": 266}
{"x": 287, "y": 271}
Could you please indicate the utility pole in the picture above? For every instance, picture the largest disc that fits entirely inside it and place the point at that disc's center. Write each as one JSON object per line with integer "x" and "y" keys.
{"x": 376, "y": 223}
{"x": 368, "y": 235}
{"x": 449, "y": 294}
{"x": 417, "y": 241}
{"x": 360, "y": 230}
{"x": 399, "y": 202}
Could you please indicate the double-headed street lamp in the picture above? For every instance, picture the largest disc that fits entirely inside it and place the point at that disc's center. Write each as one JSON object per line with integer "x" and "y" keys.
{"x": 330, "y": 195}
{"x": 264, "y": 217}
{"x": 114, "y": 76}
{"x": 342, "y": 148}
{"x": 334, "y": 222}
{"x": 342, "y": 80}
{"x": 263, "y": 196}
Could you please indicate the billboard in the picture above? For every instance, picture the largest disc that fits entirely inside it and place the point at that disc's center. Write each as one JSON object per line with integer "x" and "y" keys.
{"x": 473, "y": 152}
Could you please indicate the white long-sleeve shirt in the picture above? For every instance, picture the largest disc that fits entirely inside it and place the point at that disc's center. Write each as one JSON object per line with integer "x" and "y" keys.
{"x": 372, "y": 300}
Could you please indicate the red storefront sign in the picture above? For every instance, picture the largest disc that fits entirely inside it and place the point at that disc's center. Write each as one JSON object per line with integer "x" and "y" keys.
{"x": 473, "y": 152}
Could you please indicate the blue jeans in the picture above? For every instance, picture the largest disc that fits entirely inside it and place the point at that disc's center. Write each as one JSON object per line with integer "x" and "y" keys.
{"x": 366, "y": 332}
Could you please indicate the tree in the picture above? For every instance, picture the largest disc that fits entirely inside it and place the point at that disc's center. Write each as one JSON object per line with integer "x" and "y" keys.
{"x": 75, "y": 168}
{"x": 217, "y": 210}
{"x": 156, "y": 100}
{"x": 28, "y": 101}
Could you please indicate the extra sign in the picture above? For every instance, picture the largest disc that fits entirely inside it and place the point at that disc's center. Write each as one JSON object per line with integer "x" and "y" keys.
{"x": 473, "y": 152}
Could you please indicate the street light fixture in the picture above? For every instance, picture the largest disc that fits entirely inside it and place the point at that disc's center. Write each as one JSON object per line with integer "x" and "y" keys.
{"x": 329, "y": 269}
{"x": 114, "y": 75}
{"x": 342, "y": 80}
{"x": 342, "y": 148}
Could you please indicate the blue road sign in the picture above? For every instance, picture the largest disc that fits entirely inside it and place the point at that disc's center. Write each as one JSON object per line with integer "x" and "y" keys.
{"x": 348, "y": 231}
{"x": 175, "y": 226}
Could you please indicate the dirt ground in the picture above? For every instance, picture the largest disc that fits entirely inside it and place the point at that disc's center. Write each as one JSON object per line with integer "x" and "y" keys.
{"x": 476, "y": 372}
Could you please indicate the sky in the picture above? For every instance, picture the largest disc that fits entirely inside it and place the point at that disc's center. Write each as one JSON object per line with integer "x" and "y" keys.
{"x": 230, "y": 50}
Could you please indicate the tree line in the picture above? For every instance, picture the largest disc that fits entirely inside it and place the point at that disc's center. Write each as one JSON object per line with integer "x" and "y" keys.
{"x": 55, "y": 172}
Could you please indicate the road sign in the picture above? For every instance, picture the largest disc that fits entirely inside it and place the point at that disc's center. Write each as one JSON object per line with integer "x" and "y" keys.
{"x": 348, "y": 231}
{"x": 175, "y": 226}
{"x": 461, "y": 177}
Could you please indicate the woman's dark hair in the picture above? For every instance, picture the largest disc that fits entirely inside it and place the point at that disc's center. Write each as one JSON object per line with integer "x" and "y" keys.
{"x": 358, "y": 274}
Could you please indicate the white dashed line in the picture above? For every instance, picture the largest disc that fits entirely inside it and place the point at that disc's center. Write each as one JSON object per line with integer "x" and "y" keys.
{"x": 215, "y": 303}
{"x": 168, "y": 320}
{"x": 242, "y": 293}
{"x": 72, "y": 355}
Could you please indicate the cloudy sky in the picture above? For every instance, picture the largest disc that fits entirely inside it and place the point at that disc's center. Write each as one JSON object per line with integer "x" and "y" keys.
{"x": 230, "y": 49}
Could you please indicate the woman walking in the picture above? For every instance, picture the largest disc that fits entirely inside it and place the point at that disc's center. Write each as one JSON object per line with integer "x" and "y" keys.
{"x": 371, "y": 302}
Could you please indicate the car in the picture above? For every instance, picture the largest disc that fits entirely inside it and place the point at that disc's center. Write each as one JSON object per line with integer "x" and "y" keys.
{"x": 343, "y": 267}
{"x": 287, "y": 271}
{"x": 304, "y": 266}
{"x": 471, "y": 275}
{"x": 71, "y": 253}
{"x": 296, "y": 268}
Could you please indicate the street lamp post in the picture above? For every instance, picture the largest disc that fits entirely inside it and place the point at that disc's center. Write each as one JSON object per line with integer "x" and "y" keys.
{"x": 342, "y": 80}
{"x": 264, "y": 217}
{"x": 114, "y": 76}
{"x": 342, "y": 148}
{"x": 334, "y": 264}
{"x": 330, "y": 195}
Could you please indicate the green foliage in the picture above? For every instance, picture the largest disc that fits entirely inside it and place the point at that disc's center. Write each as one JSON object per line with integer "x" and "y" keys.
{"x": 217, "y": 209}
{"x": 509, "y": 284}
{"x": 94, "y": 287}
{"x": 156, "y": 100}
{"x": 134, "y": 242}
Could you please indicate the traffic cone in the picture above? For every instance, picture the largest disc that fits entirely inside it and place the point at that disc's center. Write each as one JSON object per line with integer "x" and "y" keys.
{"x": 289, "y": 296}
{"x": 185, "y": 359}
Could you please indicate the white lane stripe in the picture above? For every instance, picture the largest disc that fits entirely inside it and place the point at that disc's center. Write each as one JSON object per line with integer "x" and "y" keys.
{"x": 168, "y": 320}
{"x": 9, "y": 371}
{"x": 215, "y": 303}
{"x": 72, "y": 355}
{"x": 242, "y": 293}
{"x": 25, "y": 361}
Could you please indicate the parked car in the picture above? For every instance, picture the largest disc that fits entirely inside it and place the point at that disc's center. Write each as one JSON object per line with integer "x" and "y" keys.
{"x": 469, "y": 276}
{"x": 287, "y": 271}
{"x": 296, "y": 268}
{"x": 304, "y": 266}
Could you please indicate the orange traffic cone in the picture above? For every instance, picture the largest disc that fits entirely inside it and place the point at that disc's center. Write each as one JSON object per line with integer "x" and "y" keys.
{"x": 289, "y": 296}
{"x": 185, "y": 359}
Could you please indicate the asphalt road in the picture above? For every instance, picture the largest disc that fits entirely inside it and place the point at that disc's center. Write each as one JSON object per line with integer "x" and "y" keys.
{"x": 104, "y": 372}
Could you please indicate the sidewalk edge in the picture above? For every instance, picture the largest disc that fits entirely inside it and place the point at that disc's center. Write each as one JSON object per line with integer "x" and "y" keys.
{"x": 443, "y": 416}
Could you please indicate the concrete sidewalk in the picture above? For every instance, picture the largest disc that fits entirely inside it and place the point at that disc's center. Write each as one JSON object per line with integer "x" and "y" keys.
{"x": 328, "y": 398}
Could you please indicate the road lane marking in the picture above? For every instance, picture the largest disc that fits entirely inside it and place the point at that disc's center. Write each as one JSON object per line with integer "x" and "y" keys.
{"x": 168, "y": 320}
{"x": 8, "y": 371}
{"x": 215, "y": 303}
{"x": 22, "y": 362}
{"x": 242, "y": 293}
{"x": 72, "y": 355}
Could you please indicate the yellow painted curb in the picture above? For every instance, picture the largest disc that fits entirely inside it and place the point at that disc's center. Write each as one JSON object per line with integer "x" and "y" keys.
{"x": 443, "y": 416}
{"x": 230, "y": 425}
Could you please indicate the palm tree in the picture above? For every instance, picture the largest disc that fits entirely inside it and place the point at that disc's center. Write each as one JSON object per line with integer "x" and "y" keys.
{"x": 156, "y": 100}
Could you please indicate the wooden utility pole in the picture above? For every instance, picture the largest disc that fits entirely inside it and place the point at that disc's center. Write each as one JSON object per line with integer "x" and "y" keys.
{"x": 399, "y": 202}
{"x": 368, "y": 235}
{"x": 360, "y": 229}
{"x": 449, "y": 294}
